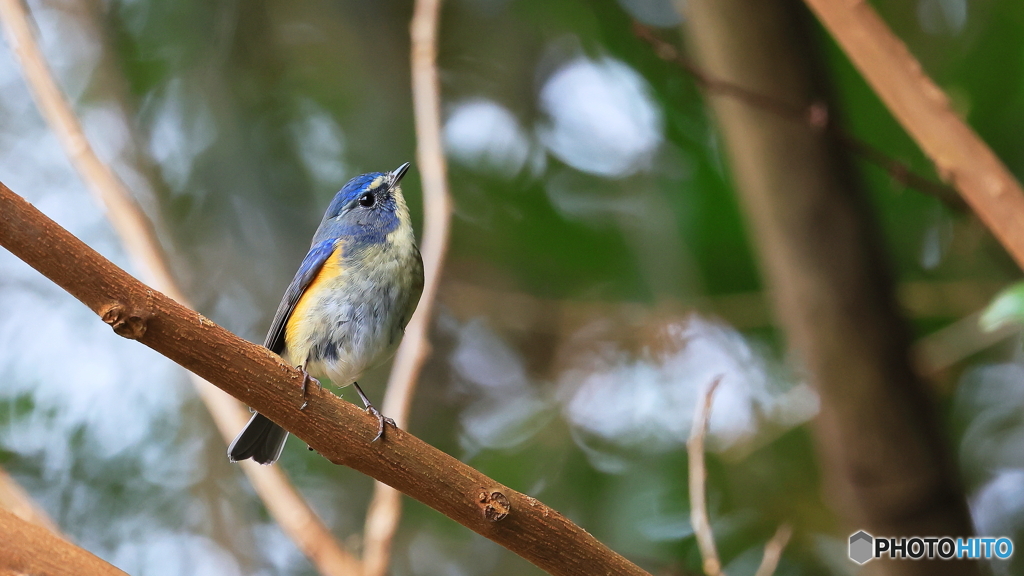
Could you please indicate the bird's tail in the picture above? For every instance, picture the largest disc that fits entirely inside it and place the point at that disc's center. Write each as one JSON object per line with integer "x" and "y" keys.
{"x": 261, "y": 440}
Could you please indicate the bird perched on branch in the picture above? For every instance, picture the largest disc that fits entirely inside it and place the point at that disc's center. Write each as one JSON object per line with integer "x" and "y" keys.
{"x": 347, "y": 306}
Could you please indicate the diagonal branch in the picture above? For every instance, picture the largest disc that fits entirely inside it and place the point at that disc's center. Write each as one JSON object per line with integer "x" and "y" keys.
{"x": 386, "y": 507}
{"x": 139, "y": 240}
{"x": 31, "y": 549}
{"x": 16, "y": 500}
{"x": 337, "y": 429}
{"x": 773, "y": 550}
{"x": 815, "y": 116}
{"x": 960, "y": 156}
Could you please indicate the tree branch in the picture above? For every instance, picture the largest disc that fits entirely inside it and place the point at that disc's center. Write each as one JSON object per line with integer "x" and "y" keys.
{"x": 773, "y": 550}
{"x": 386, "y": 507}
{"x": 825, "y": 269}
{"x": 139, "y": 240}
{"x": 337, "y": 429}
{"x": 712, "y": 565}
{"x": 698, "y": 477}
{"x": 31, "y": 549}
{"x": 814, "y": 116}
{"x": 960, "y": 156}
{"x": 16, "y": 500}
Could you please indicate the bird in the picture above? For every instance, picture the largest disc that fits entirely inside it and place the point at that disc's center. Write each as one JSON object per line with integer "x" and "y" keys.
{"x": 346, "y": 309}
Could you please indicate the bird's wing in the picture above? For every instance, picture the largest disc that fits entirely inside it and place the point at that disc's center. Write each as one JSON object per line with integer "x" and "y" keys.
{"x": 310, "y": 267}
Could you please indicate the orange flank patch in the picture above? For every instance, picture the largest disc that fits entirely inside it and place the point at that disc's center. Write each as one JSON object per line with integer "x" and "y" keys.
{"x": 297, "y": 327}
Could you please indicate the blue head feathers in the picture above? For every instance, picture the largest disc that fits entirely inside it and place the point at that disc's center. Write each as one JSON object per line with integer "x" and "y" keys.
{"x": 365, "y": 210}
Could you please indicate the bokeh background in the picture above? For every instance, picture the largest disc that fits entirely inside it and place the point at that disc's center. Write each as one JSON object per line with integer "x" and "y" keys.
{"x": 600, "y": 275}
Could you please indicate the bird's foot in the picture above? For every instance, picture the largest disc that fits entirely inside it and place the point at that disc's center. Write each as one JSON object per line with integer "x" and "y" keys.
{"x": 306, "y": 381}
{"x": 381, "y": 421}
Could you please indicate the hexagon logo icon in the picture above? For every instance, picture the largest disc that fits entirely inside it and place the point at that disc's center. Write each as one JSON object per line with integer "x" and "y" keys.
{"x": 861, "y": 544}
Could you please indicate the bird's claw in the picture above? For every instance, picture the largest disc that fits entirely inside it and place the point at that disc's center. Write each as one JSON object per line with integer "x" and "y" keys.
{"x": 381, "y": 421}
{"x": 306, "y": 380}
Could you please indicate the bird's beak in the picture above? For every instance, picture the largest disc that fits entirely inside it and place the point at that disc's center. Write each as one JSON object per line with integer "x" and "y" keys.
{"x": 397, "y": 173}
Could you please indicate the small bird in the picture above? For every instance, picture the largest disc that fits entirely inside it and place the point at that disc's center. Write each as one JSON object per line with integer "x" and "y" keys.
{"x": 346, "y": 309}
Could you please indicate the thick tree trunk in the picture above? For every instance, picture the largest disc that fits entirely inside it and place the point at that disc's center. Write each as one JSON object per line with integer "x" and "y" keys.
{"x": 886, "y": 466}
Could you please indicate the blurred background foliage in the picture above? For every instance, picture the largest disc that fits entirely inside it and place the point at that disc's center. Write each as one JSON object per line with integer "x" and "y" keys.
{"x": 600, "y": 274}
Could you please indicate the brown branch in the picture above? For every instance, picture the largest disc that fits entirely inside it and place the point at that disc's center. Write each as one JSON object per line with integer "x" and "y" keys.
{"x": 901, "y": 173}
{"x": 386, "y": 508}
{"x": 698, "y": 477}
{"x": 781, "y": 108}
{"x": 815, "y": 117}
{"x": 337, "y": 429}
{"x": 960, "y": 156}
{"x": 16, "y": 500}
{"x": 886, "y": 466}
{"x": 139, "y": 240}
{"x": 31, "y": 549}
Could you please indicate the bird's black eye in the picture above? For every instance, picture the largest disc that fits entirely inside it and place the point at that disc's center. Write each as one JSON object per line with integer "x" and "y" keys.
{"x": 367, "y": 199}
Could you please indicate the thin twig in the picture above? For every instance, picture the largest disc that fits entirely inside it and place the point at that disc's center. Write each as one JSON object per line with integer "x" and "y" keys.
{"x": 815, "y": 117}
{"x": 711, "y": 564}
{"x": 698, "y": 476}
{"x": 666, "y": 51}
{"x": 961, "y": 158}
{"x": 773, "y": 550}
{"x": 140, "y": 242}
{"x": 385, "y": 509}
{"x": 339, "y": 430}
{"x": 901, "y": 173}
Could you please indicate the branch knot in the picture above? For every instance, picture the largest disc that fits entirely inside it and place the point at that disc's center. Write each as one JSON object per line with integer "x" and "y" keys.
{"x": 494, "y": 505}
{"x": 130, "y": 324}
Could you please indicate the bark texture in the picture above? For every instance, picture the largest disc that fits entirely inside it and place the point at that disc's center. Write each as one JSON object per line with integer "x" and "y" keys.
{"x": 337, "y": 429}
{"x": 27, "y": 548}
